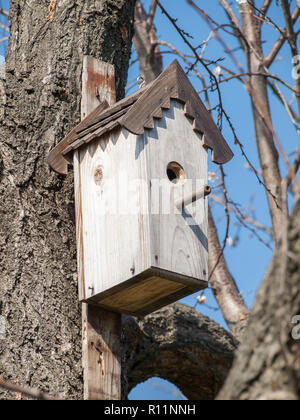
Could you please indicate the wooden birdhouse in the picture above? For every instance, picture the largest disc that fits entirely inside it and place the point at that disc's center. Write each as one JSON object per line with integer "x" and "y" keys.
{"x": 141, "y": 169}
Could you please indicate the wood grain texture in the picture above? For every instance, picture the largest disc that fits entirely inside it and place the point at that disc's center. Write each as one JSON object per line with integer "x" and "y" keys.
{"x": 138, "y": 112}
{"x": 99, "y": 83}
{"x": 127, "y": 233}
{"x": 178, "y": 239}
{"x": 148, "y": 292}
{"x": 79, "y": 231}
{"x": 58, "y": 158}
{"x": 115, "y": 224}
{"x": 101, "y": 339}
{"x": 101, "y": 346}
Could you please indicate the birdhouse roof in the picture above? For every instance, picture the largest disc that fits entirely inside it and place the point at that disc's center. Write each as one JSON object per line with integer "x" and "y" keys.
{"x": 137, "y": 113}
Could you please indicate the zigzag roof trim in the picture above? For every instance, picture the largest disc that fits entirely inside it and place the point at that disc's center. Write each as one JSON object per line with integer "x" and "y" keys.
{"x": 136, "y": 113}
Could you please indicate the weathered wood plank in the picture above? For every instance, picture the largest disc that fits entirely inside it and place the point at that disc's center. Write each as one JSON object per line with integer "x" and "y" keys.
{"x": 101, "y": 347}
{"x": 79, "y": 231}
{"x": 57, "y": 158}
{"x": 127, "y": 225}
{"x": 179, "y": 239}
{"x": 99, "y": 84}
{"x": 116, "y": 225}
{"x": 102, "y": 364}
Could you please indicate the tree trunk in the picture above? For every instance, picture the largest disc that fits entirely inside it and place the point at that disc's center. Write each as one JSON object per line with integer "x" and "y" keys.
{"x": 258, "y": 92}
{"x": 268, "y": 360}
{"x": 150, "y": 59}
{"x": 42, "y": 93}
{"x": 223, "y": 284}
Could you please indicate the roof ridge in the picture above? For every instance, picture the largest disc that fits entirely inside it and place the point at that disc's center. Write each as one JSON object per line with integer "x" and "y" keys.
{"x": 174, "y": 84}
{"x": 137, "y": 112}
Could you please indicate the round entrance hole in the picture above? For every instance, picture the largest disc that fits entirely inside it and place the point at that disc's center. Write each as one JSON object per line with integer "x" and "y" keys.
{"x": 175, "y": 173}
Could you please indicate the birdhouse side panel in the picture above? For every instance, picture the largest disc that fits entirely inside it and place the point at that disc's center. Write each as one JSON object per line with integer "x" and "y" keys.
{"x": 115, "y": 239}
{"x": 178, "y": 166}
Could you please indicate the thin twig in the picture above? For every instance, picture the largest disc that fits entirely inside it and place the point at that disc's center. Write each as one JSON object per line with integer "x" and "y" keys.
{"x": 6, "y": 28}
{"x": 4, "y": 12}
{"x": 25, "y": 390}
{"x": 281, "y": 40}
{"x": 247, "y": 219}
{"x": 239, "y": 76}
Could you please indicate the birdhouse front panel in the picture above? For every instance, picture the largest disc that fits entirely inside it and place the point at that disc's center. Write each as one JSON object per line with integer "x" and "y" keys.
{"x": 177, "y": 166}
{"x": 149, "y": 253}
{"x": 115, "y": 220}
{"x": 140, "y": 189}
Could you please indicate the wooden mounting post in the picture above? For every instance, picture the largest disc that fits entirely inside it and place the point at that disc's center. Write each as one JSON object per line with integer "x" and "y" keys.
{"x": 101, "y": 329}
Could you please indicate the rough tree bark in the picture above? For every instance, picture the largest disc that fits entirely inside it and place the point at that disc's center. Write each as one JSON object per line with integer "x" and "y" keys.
{"x": 182, "y": 346}
{"x": 268, "y": 360}
{"x": 42, "y": 91}
{"x": 145, "y": 42}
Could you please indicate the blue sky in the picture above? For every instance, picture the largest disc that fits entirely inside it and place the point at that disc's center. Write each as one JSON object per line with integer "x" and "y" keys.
{"x": 248, "y": 260}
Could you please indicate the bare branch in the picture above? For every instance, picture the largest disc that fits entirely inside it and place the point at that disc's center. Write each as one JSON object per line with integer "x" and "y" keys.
{"x": 145, "y": 36}
{"x": 290, "y": 109}
{"x": 25, "y": 390}
{"x": 265, "y": 7}
{"x": 226, "y": 208}
{"x": 4, "y": 12}
{"x": 230, "y": 13}
{"x": 264, "y": 131}
{"x": 254, "y": 373}
{"x": 223, "y": 285}
{"x": 281, "y": 40}
{"x": 240, "y": 75}
{"x": 190, "y": 341}
{"x": 6, "y": 28}
{"x": 218, "y": 37}
{"x": 152, "y": 11}
{"x": 294, "y": 170}
{"x": 261, "y": 108}
{"x": 247, "y": 219}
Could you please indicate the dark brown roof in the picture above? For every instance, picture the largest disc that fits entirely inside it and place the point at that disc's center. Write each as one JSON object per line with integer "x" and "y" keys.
{"x": 137, "y": 112}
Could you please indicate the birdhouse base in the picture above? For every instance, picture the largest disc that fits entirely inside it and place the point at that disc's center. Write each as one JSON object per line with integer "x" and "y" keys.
{"x": 147, "y": 292}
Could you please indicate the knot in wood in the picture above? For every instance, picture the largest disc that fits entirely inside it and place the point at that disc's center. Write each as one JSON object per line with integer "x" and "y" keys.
{"x": 98, "y": 175}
